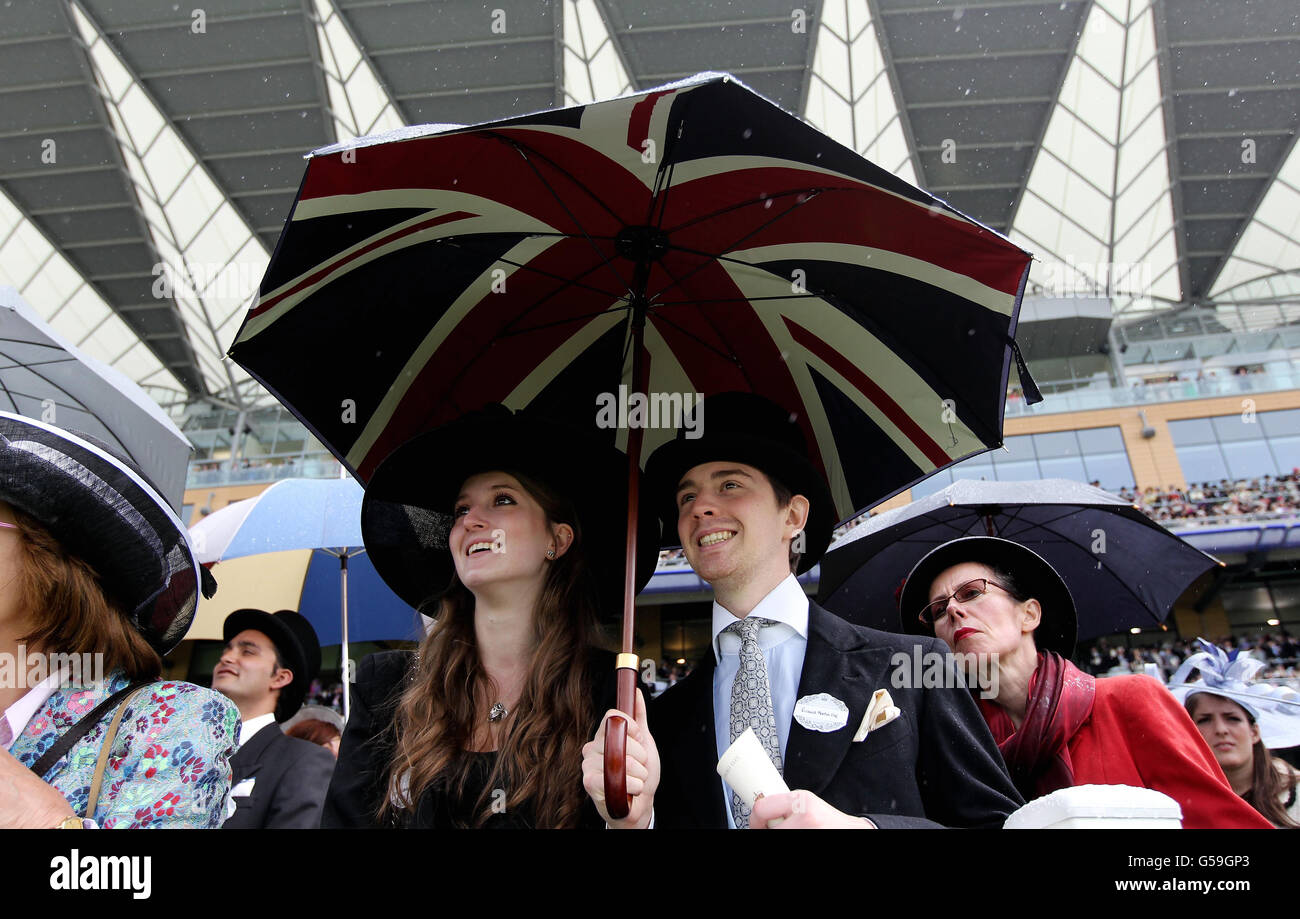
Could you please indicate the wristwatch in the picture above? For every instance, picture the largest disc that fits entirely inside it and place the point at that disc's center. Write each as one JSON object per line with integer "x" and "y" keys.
{"x": 71, "y": 823}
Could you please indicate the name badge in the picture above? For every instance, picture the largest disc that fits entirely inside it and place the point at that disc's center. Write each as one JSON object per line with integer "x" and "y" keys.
{"x": 821, "y": 712}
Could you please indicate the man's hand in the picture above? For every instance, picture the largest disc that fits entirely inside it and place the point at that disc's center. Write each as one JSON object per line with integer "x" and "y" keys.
{"x": 802, "y": 810}
{"x": 642, "y": 761}
{"x": 27, "y": 803}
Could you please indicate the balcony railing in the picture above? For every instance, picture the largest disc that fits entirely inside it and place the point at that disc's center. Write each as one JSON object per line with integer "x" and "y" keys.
{"x": 1097, "y": 397}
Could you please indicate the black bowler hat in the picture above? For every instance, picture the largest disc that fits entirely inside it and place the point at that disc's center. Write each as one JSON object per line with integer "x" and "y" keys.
{"x": 295, "y": 640}
{"x": 102, "y": 509}
{"x": 406, "y": 515}
{"x": 1033, "y": 574}
{"x": 741, "y": 427}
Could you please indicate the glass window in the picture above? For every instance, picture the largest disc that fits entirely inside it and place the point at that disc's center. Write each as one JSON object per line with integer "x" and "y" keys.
{"x": 1100, "y": 440}
{"x": 1202, "y": 463}
{"x": 1278, "y": 424}
{"x": 1065, "y": 467}
{"x": 1192, "y": 431}
{"x": 1112, "y": 471}
{"x": 1061, "y": 443}
{"x": 1018, "y": 471}
{"x": 1237, "y": 427}
{"x": 1286, "y": 452}
{"x": 1021, "y": 447}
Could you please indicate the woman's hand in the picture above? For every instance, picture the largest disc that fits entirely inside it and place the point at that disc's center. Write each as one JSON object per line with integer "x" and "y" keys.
{"x": 27, "y": 803}
{"x": 642, "y": 769}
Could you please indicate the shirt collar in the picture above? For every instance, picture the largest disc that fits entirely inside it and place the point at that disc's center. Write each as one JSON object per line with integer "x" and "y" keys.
{"x": 16, "y": 716}
{"x": 786, "y": 603}
{"x": 250, "y": 727}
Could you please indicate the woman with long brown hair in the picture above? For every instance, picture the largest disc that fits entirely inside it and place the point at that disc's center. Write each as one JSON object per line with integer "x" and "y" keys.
{"x": 511, "y": 531}
{"x": 1241, "y": 720}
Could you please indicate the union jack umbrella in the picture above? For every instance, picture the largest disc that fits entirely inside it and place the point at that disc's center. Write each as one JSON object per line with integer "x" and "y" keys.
{"x": 691, "y": 239}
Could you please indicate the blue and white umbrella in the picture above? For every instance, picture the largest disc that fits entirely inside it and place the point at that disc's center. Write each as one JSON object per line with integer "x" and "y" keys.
{"x": 300, "y": 540}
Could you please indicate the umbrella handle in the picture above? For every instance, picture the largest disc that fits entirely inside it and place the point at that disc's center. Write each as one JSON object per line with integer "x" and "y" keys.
{"x": 617, "y": 800}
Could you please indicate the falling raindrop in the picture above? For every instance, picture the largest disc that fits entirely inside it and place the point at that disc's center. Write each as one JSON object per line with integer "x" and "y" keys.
{"x": 746, "y": 134}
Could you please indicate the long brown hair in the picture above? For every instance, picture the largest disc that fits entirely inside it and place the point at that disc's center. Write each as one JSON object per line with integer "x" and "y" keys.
{"x": 538, "y": 763}
{"x": 1269, "y": 782}
{"x": 71, "y": 614}
{"x": 1269, "y": 785}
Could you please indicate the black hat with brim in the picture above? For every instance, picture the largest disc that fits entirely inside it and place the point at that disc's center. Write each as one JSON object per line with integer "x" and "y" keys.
{"x": 295, "y": 640}
{"x": 737, "y": 427}
{"x": 407, "y": 513}
{"x": 1033, "y": 574}
{"x": 104, "y": 511}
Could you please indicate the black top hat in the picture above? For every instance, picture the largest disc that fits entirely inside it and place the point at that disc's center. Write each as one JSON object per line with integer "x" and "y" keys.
{"x": 744, "y": 428}
{"x": 295, "y": 640}
{"x": 103, "y": 510}
{"x": 406, "y": 516}
{"x": 1033, "y": 574}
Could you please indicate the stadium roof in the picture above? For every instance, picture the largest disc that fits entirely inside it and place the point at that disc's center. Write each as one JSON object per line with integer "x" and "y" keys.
{"x": 149, "y": 152}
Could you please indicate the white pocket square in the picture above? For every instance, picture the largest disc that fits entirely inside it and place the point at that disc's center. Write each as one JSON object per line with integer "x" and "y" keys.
{"x": 243, "y": 789}
{"x": 880, "y": 712}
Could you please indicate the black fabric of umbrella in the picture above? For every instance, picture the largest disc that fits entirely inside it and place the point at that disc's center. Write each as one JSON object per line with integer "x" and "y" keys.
{"x": 1123, "y": 569}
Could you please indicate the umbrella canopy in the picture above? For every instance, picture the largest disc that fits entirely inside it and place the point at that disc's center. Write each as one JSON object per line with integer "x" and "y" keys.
{"x": 661, "y": 247}
{"x": 1122, "y": 567}
{"x": 321, "y": 515}
{"x": 428, "y": 272}
{"x": 45, "y": 376}
{"x": 308, "y": 581}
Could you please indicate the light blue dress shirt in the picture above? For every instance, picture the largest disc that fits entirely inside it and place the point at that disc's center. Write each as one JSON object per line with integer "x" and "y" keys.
{"x": 783, "y": 646}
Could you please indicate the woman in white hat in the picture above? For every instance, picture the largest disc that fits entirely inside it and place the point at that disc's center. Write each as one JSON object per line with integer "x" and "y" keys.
{"x": 97, "y": 582}
{"x": 1241, "y": 720}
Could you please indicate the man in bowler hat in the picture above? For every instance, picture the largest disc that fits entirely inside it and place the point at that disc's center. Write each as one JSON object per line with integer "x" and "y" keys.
{"x": 269, "y": 661}
{"x": 751, "y": 511}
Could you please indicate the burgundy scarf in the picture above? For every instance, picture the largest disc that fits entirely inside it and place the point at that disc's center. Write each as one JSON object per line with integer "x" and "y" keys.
{"x": 1060, "y": 701}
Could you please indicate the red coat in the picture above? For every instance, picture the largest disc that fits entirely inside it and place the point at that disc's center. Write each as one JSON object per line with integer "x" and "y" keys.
{"x": 1139, "y": 735}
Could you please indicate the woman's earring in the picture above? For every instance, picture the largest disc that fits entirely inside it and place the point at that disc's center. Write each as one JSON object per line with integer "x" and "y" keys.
{"x": 550, "y": 553}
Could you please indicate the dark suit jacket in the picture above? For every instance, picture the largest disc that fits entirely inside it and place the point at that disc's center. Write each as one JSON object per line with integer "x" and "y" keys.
{"x": 936, "y": 764}
{"x": 290, "y": 777}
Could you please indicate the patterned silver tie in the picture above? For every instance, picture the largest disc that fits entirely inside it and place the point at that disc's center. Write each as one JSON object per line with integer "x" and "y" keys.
{"x": 751, "y": 703}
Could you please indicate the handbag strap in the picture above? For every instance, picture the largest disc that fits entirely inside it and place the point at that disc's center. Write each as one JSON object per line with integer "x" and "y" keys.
{"x": 105, "y": 749}
{"x": 80, "y": 730}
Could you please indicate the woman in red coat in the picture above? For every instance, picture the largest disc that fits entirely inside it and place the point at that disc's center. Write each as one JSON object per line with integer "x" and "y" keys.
{"x": 1057, "y": 726}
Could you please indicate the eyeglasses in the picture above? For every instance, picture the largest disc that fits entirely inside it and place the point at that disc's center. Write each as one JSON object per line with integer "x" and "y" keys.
{"x": 8, "y": 526}
{"x": 966, "y": 593}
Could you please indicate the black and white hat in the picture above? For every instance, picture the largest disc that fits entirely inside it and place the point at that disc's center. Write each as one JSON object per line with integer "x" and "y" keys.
{"x": 102, "y": 509}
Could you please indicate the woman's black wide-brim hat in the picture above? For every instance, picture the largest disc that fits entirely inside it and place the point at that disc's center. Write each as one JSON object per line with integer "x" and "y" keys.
{"x": 104, "y": 511}
{"x": 1034, "y": 575}
{"x": 406, "y": 515}
{"x": 739, "y": 427}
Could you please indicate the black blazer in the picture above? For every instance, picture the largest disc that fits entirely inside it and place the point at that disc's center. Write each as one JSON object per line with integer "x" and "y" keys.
{"x": 359, "y": 782}
{"x": 935, "y": 765}
{"x": 290, "y": 778}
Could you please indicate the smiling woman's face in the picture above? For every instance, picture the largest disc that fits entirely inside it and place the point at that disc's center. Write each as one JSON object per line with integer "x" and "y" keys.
{"x": 501, "y": 533}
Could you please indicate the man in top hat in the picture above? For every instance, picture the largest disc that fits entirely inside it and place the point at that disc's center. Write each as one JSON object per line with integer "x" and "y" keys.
{"x": 751, "y": 511}
{"x": 268, "y": 662}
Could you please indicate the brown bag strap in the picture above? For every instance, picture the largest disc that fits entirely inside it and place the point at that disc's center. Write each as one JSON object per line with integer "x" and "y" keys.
{"x": 105, "y": 749}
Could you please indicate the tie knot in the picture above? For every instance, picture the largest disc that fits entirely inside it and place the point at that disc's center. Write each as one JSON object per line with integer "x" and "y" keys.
{"x": 748, "y": 627}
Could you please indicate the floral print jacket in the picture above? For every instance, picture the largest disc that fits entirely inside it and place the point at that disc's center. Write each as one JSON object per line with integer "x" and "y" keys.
{"x": 170, "y": 762}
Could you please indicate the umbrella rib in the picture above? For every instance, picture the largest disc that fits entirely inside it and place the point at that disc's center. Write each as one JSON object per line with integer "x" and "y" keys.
{"x": 677, "y": 282}
{"x": 810, "y": 192}
{"x": 523, "y": 152}
{"x": 548, "y": 274}
{"x": 730, "y": 358}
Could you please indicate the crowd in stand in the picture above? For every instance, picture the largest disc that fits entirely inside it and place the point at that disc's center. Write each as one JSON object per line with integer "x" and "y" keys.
{"x": 1279, "y": 651}
{"x": 1273, "y": 496}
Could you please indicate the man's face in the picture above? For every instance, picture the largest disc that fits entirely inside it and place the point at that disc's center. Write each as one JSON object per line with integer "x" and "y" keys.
{"x": 730, "y": 524}
{"x": 246, "y": 672}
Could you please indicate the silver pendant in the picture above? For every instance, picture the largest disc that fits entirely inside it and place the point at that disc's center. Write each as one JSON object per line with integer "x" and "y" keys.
{"x": 497, "y": 713}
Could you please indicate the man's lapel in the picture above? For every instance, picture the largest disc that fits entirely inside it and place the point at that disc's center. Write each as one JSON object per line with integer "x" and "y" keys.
{"x": 248, "y": 758}
{"x": 841, "y": 663}
{"x": 699, "y": 749}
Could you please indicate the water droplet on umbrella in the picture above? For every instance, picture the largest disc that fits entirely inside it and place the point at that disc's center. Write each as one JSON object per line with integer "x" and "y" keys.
{"x": 747, "y": 133}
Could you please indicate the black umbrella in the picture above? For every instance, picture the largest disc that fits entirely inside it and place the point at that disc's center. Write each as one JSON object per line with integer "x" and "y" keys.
{"x": 1122, "y": 567}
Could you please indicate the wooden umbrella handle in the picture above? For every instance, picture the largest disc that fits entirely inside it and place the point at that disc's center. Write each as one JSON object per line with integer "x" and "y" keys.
{"x": 617, "y": 801}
